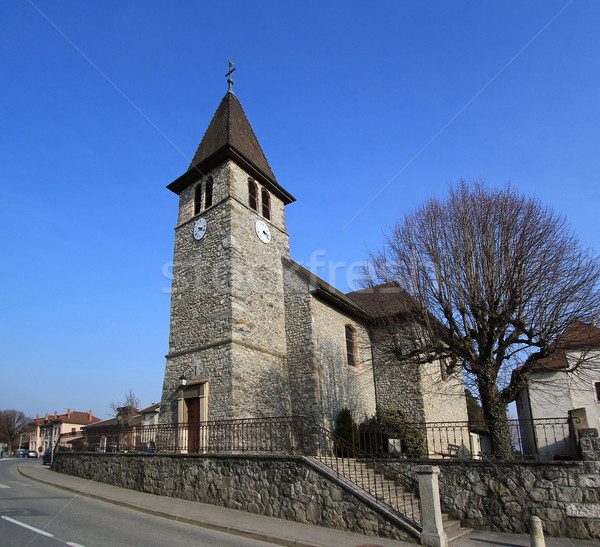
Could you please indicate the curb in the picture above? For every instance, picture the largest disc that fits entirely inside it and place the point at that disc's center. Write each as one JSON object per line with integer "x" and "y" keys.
{"x": 243, "y": 532}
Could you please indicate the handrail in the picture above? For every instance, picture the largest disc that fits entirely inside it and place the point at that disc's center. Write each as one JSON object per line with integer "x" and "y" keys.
{"x": 384, "y": 482}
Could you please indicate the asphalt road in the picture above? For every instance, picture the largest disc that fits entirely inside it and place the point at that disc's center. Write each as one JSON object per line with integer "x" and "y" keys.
{"x": 39, "y": 515}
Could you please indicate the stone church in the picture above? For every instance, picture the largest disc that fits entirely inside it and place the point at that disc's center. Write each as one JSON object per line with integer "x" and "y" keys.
{"x": 253, "y": 333}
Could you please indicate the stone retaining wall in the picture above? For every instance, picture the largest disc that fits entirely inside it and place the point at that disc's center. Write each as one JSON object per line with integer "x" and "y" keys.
{"x": 287, "y": 488}
{"x": 502, "y": 496}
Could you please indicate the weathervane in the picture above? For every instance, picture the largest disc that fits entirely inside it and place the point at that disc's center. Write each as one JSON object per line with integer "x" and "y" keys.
{"x": 229, "y": 78}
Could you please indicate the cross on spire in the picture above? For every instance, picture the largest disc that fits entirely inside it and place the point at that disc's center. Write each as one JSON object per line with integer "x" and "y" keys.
{"x": 229, "y": 78}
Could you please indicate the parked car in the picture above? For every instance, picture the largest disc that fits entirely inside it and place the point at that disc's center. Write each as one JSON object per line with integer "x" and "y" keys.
{"x": 47, "y": 457}
{"x": 20, "y": 453}
{"x": 30, "y": 454}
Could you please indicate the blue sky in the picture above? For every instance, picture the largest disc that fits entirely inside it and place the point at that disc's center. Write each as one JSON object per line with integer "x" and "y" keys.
{"x": 362, "y": 109}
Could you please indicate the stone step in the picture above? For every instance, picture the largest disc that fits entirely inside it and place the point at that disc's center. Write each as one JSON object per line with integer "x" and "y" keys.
{"x": 398, "y": 502}
{"x": 457, "y": 534}
{"x": 373, "y": 482}
{"x": 376, "y": 482}
{"x": 388, "y": 491}
{"x": 451, "y": 525}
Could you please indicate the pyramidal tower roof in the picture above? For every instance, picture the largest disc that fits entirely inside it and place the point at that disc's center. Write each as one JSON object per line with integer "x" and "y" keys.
{"x": 230, "y": 127}
{"x": 230, "y": 135}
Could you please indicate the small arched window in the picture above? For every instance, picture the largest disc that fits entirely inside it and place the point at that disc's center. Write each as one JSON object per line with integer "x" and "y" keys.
{"x": 252, "y": 195}
{"x": 350, "y": 346}
{"x": 266, "y": 204}
{"x": 208, "y": 193}
{"x": 198, "y": 199}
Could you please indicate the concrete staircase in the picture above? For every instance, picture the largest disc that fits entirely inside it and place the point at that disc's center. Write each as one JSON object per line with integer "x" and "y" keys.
{"x": 387, "y": 491}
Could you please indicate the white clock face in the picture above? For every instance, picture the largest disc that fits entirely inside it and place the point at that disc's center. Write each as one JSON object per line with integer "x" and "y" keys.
{"x": 200, "y": 228}
{"x": 263, "y": 232}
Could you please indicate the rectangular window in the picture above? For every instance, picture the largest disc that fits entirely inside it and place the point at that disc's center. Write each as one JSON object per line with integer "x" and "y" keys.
{"x": 252, "y": 195}
{"x": 198, "y": 199}
{"x": 350, "y": 346}
{"x": 266, "y": 204}
{"x": 597, "y": 386}
{"x": 208, "y": 193}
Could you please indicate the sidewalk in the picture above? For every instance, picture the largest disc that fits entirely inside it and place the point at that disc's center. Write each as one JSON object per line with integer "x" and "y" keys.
{"x": 273, "y": 530}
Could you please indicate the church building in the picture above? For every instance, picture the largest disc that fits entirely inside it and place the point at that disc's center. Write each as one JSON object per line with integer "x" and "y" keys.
{"x": 253, "y": 333}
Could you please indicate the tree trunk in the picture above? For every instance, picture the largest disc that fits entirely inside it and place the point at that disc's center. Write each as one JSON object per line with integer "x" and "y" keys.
{"x": 495, "y": 414}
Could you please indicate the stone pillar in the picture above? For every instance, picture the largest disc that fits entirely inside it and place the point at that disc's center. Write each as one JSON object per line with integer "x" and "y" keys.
{"x": 433, "y": 534}
{"x": 536, "y": 532}
{"x": 577, "y": 422}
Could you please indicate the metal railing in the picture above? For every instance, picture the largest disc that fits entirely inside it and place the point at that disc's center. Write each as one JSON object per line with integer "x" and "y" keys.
{"x": 541, "y": 439}
{"x": 279, "y": 435}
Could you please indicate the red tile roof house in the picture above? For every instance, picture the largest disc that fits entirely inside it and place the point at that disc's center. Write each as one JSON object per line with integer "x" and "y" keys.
{"x": 47, "y": 429}
{"x": 108, "y": 435}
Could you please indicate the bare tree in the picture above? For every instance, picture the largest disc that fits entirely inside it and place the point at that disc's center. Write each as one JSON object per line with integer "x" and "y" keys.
{"x": 13, "y": 424}
{"x": 126, "y": 407}
{"x": 497, "y": 278}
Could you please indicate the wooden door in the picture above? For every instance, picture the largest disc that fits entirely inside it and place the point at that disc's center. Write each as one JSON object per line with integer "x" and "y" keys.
{"x": 193, "y": 408}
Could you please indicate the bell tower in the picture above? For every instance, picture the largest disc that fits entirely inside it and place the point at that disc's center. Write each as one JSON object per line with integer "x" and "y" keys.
{"x": 227, "y": 343}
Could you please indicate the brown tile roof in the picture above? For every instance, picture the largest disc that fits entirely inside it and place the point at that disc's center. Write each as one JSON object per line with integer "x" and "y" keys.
{"x": 230, "y": 134}
{"x": 555, "y": 361}
{"x": 385, "y": 300}
{"x": 71, "y": 417}
{"x": 373, "y": 303}
{"x": 230, "y": 126}
{"x": 578, "y": 336}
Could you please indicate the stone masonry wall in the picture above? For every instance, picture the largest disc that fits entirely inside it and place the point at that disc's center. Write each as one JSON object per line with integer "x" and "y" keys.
{"x": 286, "y": 488}
{"x": 212, "y": 363}
{"x": 300, "y": 359}
{"x": 198, "y": 343}
{"x": 238, "y": 189}
{"x": 227, "y": 304}
{"x": 260, "y": 375}
{"x": 260, "y": 384}
{"x": 340, "y": 384}
{"x": 396, "y": 386}
{"x": 503, "y": 495}
{"x": 201, "y": 276}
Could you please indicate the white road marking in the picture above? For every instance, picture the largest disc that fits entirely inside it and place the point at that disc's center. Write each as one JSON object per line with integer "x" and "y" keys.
{"x": 33, "y": 529}
{"x": 41, "y": 532}
{"x": 4, "y": 486}
{"x": 28, "y": 485}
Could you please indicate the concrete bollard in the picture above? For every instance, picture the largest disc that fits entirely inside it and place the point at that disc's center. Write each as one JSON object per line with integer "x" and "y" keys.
{"x": 536, "y": 532}
{"x": 433, "y": 534}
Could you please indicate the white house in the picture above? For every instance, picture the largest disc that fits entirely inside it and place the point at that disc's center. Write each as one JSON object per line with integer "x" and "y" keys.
{"x": 556, "y": 391}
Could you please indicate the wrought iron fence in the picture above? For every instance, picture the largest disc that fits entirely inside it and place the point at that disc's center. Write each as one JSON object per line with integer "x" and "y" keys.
{"x": 536, "y": 439}
{"x": 280, "y": 435}
{"x": 541, "y": 439}
{"x": 359, "y": 459}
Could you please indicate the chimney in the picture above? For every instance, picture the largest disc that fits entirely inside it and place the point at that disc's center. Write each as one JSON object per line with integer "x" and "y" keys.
{"x": 90, "y": 416}
{"x": 55, "y": 414}
{"x": 46, "y": 416}
{"x": 37, "y": 416}
{"x": 68, "y": 413}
